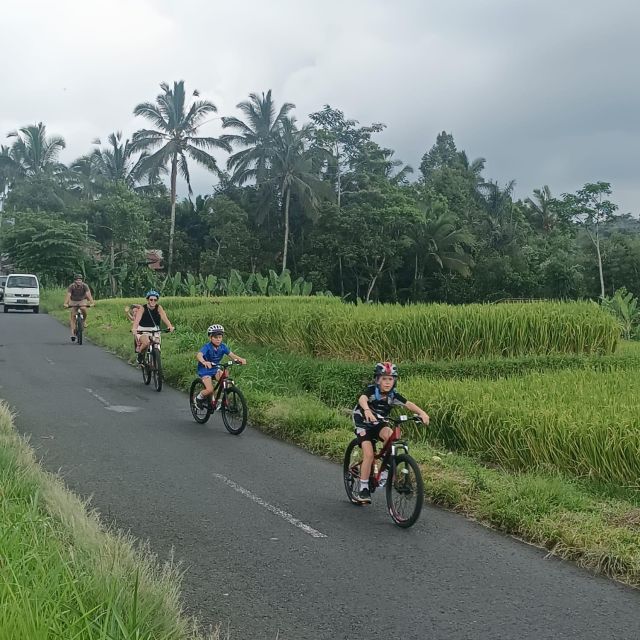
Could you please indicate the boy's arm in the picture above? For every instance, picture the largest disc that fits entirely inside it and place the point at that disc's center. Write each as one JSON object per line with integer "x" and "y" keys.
{"x": 416, "y": 409}
{"x": 202, "y": 361}
{"x": 363, "y": 402}
{"x": 136, "y": 320}
{"x": 234, "y": 356}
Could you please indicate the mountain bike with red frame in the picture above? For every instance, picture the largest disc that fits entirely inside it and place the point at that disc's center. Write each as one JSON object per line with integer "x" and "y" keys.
{"x": 403, "y": 482}
{"x": 226, "y": 398}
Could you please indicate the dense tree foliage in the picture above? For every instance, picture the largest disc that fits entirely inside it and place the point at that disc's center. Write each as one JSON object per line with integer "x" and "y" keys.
{"x": 321, "y": 199}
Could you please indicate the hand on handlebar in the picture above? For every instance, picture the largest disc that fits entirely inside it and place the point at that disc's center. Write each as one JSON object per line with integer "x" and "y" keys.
{"x": 240, "y": 361}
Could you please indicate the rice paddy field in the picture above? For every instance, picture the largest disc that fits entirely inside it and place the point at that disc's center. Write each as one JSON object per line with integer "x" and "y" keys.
{"x": 533, "y": 406}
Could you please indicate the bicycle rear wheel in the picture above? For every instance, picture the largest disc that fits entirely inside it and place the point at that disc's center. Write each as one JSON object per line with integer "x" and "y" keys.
{"x": 79, "y": 328}
{"x": 234, "y": 410}
{"x": 405, "y": 491}
{"x": 351, "y": 470}
{"x": 199, "y": 415}
{"x": 156, "y": 368}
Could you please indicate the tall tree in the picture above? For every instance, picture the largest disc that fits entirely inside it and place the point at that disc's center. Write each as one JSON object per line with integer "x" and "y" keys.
{"x": 177, "y": 123}
{"x": 542, "y": 209}
{"x": 292, "y": 168}
{"x": 117, "y": 162}
{"x": 32, "y": 152}
{"x": 589, "y": 208}
{"x": 343, "y": 139}
{"x": 257, "y": 134}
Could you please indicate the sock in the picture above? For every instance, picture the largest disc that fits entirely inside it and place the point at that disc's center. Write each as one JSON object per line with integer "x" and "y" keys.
{"x": 364, "y": 484}
{"x": 200, "y": 397}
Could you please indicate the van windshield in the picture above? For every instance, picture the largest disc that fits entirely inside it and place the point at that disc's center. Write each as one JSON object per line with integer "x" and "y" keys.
{"x": 21, "y": 282}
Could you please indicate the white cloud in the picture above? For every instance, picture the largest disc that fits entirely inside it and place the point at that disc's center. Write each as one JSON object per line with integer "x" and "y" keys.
{"x": 546, "y": 91}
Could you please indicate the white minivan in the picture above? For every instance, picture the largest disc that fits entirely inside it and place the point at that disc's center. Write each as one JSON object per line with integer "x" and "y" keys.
{"x": 22, "y": 291}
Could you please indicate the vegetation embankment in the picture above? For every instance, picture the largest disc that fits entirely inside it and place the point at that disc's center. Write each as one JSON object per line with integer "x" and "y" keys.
{"x": 544, "y": 447}
{"x": 63, "y": 575}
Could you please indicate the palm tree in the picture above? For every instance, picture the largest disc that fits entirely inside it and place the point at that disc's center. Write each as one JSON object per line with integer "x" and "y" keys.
{"x": 32, "y": 153}
{"x": 176, "y": 131}
{"x": 543, "y": 210}
{"x": 257, "y": 134}
{"x": 292, "y": 168}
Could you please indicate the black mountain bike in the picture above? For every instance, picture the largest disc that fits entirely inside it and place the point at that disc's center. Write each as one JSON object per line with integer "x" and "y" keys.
{"x": 226, "y": 397}
{"x": 151, "y": 364}
{"x": 79, "y": 323}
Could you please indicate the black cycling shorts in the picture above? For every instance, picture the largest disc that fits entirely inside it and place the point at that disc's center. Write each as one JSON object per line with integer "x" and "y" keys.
{"x": 368, "y": 430}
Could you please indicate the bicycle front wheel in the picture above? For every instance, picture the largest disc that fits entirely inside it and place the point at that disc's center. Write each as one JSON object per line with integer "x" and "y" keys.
{"x": 405, "y": 491}
{"x": 200, "y": 415}
{"x": 79, "y": 328}
{"x": 156, "y": 368}
{"x": 234, "y": 410}
{"x": 145, "y": 367}
{"x": 351, "y": 470}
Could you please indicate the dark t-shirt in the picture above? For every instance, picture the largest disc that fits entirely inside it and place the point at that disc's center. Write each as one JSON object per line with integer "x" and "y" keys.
{"x": 379, "y": 405}
{"x": 78, "y": 291}
{"x": 150, "y": 317}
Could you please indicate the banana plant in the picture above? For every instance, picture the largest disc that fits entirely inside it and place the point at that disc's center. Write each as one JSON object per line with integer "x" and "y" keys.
{"x": 236, "y": 285}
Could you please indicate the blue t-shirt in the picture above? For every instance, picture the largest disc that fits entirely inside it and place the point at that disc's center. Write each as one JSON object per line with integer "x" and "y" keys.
{"x": 214, "y": 355}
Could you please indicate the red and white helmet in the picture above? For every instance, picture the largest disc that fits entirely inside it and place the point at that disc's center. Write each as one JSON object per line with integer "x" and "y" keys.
{"x": 386, "y": 369}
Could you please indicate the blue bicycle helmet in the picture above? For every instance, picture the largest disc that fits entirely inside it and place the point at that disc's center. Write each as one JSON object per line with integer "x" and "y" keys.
{"x": 151, "y": 292}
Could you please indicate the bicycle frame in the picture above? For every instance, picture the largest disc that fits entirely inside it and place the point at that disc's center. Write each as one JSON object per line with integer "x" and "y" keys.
{"x": 394, "y": 446}
{"x": 221, "y": 384}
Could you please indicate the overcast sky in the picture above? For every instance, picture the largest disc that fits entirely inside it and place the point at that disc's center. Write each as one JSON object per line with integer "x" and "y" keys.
{"x": 547, "y": 91}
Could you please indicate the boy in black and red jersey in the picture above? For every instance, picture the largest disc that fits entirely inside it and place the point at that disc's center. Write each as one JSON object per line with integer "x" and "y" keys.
{"x": 375, "y": 403}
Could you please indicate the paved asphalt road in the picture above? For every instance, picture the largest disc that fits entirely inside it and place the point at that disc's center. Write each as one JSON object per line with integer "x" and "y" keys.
{"x": 235, "y": 511}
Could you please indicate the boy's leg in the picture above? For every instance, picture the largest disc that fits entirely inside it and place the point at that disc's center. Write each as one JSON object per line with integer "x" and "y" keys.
{"x": 206, "y": 392}
{"x": 363, "y": 493}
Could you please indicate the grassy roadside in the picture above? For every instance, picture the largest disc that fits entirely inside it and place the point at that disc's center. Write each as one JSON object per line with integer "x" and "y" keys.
{"x": 62, "y": 575}
{"x": 597, "y": 525}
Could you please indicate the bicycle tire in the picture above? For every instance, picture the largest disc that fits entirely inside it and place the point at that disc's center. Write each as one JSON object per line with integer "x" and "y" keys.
{"x": 145, "y": 368}
{"x": 199, "y": 415}
{"x": 158, "y": 374}
{"x": 234, "y": 410}
{"x": 402, "y": 486}
{"x": 79, "y": 328}
{"x": 351, "y": 470}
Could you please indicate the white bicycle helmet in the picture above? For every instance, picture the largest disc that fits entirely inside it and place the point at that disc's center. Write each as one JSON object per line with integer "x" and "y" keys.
{"x": 215, "y": 328}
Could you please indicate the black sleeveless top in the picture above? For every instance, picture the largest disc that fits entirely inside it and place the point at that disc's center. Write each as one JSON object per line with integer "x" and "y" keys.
{"x": 150, "y": 317}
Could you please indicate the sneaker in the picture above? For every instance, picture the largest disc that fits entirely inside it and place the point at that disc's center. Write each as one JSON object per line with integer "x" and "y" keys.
{"x": 201, "y": 403}
{"x": 73, "y": 338}
{"x": 363, "y": 496}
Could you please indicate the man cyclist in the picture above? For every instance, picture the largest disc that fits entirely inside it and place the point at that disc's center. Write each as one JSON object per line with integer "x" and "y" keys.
{"x": 78, "y": 295}
{"x": 147, "y": 318}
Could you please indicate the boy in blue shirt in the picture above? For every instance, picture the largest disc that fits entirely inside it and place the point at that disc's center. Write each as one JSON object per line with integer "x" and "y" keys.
{"x": 209, "y": 358}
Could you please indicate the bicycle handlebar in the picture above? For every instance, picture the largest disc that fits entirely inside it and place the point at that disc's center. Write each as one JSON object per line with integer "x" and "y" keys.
{"x": 154, "y": 331}
{"x": 400, "y": 419}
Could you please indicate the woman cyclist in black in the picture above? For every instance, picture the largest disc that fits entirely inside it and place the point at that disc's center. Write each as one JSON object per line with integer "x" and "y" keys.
{"x": 148, "y": 318}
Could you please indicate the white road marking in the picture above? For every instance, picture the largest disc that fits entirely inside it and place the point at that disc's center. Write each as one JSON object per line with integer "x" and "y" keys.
{"x": 49, "y": 360}
{"x": 118, "y": 408}
{"x": 269, "y": 507}
{"x": 99, "y": 397}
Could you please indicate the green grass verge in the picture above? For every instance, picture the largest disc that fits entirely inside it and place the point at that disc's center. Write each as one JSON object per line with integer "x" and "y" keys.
{"x": 595, "y": 524}
{"x": 62, "y": 575}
